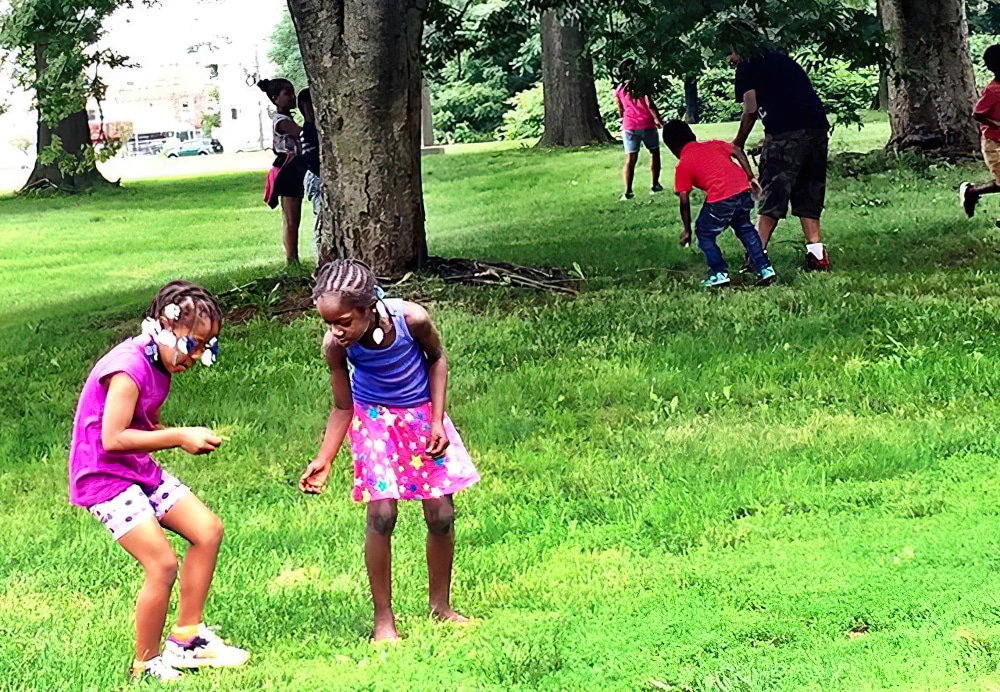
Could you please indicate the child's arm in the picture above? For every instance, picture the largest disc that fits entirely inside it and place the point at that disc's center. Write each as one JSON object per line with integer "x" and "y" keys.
{"x": 425, "y": 334}
{"x": 741, "y": 158}
{"x": 985, "y": 119}
{"x": 117, "y": 436}
{"x": 337, "y": 424}
{"x": 655, "y": 112}
{"x": 685, "y": 199}
{"x": 288, "y": 127}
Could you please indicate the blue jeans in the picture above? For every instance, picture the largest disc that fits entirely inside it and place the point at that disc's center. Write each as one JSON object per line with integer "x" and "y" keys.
{"x": 733, "y": 212}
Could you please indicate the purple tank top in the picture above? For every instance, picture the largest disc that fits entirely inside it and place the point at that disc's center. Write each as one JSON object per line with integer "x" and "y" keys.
{"x": 396, "y": 376}
{"x": 95, "y": 474}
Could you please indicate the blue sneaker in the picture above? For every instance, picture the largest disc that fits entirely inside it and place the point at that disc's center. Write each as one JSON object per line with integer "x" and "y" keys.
{"x": 767, "y": 276}
{"x": 716, "y": 280}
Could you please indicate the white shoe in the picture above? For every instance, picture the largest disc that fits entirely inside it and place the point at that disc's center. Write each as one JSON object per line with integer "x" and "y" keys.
{"x": 157, "y": 669}
{"x": 207, "y": 649}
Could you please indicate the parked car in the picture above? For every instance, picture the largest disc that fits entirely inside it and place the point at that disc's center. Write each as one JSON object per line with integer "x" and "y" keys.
{"x": 192, "y": 147}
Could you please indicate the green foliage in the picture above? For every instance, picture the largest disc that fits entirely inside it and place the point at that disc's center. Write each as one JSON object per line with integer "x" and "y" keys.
{"x": 709, "y": 490}
{"x": 526, "y": 117}
{"x": 469, "y": 111}
{"x": 285, "y": 54}
{"x": 210, "y": 121}
{"x": 51, "y": 45}
{"x": 978, "y": 43}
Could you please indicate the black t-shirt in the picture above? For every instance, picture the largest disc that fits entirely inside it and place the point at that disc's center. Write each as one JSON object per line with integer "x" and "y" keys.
{"x": 310, "y": 147}
{"x": 785, "y": 97}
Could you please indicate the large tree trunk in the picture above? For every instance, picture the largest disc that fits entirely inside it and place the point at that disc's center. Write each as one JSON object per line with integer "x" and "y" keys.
{"x": 572, "y": 114}
{"x": 74, "y": 131}
{"x": 932, "y": 92}
{"x": 363, "y": 62}
{"x": 692, "y": 105}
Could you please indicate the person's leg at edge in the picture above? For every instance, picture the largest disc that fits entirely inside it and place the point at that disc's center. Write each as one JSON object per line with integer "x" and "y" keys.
{"x": 765, "y": 228}
{"x": 148, "y": 544}
{"x": 200, "y": 527}
{"x": 707, "y": 230}
{"x": 291, "y": 210}
{"x": 439, "y": 513}
{"x": 749, "y": 238}
{"x": 378, "y": 559}
{"x": 631, "y": 159}
{"x": 655, "y": 167}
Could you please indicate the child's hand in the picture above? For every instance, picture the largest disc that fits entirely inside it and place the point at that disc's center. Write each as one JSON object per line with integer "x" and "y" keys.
{"x": 756, "y": 191}
{"x": 199, "y": 440}
{"x": 686, "y": 239}
{"x": 438, "y": 441}
{"x": 315, "y": 476}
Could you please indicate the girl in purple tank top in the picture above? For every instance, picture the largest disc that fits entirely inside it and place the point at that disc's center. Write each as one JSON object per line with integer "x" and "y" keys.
{"x": 111, "y": 473}
{"x": 390, "y": 377}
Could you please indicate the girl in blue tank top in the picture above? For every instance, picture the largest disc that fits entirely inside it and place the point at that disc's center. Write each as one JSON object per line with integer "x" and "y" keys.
{"x": 389, "y": 376}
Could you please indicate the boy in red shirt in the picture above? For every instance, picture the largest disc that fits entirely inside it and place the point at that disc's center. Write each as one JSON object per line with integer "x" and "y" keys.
{"x": 987, "y": 114}
{"x": 710, "y": 166}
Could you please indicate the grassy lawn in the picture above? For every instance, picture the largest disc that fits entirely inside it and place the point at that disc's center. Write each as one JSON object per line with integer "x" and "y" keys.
{"x": 710, "y": 490}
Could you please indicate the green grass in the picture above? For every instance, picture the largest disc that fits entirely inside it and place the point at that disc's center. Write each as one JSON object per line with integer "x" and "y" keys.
{"x": 706, "y": 489}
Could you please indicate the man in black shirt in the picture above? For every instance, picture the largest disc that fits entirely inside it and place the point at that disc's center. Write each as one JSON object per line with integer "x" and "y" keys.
{"x": 774, "y": 88}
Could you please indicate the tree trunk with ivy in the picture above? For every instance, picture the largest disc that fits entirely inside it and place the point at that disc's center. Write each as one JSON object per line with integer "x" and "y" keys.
{"x": 363, "y": 61}
{"x": 933, "y": 89}
{"x": 73, "y": 133}
{"x": 572, "y": 113}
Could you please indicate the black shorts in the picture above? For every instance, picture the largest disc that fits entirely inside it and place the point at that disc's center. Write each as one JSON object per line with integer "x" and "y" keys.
{"x": 793, "y": 169}
{"x": 289, "y": 180}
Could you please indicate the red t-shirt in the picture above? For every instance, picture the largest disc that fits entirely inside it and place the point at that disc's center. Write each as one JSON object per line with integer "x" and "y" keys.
{"x": 989, "y": 105}
{"x": 709, "y": 166}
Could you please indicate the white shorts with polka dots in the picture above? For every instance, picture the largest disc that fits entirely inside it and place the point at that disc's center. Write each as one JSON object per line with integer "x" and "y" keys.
{"x": 132, "y": 506}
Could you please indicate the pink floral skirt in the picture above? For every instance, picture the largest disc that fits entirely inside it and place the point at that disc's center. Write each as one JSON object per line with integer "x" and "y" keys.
{"x": 390, "y": 456}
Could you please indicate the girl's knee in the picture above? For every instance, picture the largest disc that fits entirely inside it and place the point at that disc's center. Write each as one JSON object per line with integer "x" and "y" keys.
{"x": 440, "y": 518}
{"x": 382, "y": 517}
{"x": 162, "y": 569}
{"x": 212, "y": 531}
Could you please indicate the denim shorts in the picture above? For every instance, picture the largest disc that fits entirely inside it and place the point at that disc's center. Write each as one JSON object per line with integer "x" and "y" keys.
{"x": 649, "y": 138}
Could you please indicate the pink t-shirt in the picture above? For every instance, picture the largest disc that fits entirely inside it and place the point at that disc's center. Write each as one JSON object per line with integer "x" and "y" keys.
{"x": 989, "y": 105}
{"x": 96, "y": 475}
{"x": 637, "y": 113}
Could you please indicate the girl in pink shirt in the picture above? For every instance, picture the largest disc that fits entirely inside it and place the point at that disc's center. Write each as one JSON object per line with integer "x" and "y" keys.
{"x": 112, "y": 474}
{"x": 640, "y": 125}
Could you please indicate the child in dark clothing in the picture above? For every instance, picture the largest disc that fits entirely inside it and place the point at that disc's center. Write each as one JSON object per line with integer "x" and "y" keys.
{"x": 710, "y": 166}
{"x": 312, "y": 183}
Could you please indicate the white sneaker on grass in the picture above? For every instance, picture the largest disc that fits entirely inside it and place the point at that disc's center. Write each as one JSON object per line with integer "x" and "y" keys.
{"x": 156, "y": 669}
{"x": 207, "y": 649}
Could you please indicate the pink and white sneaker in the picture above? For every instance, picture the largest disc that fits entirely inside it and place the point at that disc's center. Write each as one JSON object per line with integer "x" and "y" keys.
{"x": 206, "y": 649}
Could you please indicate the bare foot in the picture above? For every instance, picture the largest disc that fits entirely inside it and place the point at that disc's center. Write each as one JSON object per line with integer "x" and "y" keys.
{"x": 385, "y": 629}
{"x": 447, "y": 614}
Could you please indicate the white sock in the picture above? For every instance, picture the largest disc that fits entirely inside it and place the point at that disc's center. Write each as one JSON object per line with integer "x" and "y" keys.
{"x": 815, "y": 249}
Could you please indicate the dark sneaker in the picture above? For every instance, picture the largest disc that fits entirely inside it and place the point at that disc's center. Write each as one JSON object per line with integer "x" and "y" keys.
{"x": 627, "y": 196}
{"x": 655, "y": 188}
{"x": 817, "y": 265}
{"x": 968, "y": 198}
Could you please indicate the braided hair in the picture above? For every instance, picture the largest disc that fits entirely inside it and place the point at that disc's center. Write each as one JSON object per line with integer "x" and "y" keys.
{"x": 193, "y": 300}
{"x": 353, "y": 280}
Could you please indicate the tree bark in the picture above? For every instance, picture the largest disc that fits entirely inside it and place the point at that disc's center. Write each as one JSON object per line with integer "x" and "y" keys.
{"x": 363, "y": 61}
{"x": 74, "y": 131}
{"x": 572, "y": 113}
{"x": 932, "y": 91}
{"x": 692, "y": 106}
